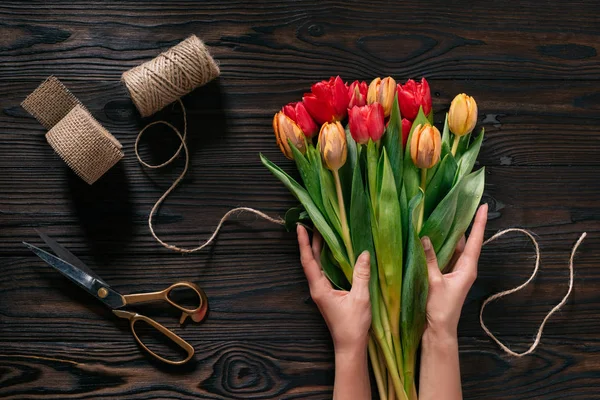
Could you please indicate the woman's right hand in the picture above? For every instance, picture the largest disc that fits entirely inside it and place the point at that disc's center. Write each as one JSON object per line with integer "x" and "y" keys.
{"x": 447, "y": 292}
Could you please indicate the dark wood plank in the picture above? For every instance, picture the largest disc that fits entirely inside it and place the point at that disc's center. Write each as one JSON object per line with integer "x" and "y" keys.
{"x": 223, "y": 369}
{"x": 275, "y": 40}
{"x": 271, "y": 369}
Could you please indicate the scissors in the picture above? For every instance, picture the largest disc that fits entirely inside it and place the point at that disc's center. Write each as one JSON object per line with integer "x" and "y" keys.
{"x": 75, "y": 270}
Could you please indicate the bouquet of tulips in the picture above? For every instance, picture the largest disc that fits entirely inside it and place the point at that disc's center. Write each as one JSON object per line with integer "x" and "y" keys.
{"x": 379, "y": 184}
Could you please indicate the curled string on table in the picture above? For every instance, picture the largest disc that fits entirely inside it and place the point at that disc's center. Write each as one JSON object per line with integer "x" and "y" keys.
{"x": 176, "y": 182}
{"x": 516, "y": 289}
{"x": 162, "y": 81}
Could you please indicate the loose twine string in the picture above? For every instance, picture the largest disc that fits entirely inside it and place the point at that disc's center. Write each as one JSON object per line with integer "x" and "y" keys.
{"x": 183, "y": 146}
{"x": 516, "y": 289}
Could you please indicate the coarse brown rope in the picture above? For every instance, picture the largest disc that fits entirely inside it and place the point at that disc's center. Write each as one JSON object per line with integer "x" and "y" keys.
{"x": 179, "y": 179}
{"x": 505, "y": 293}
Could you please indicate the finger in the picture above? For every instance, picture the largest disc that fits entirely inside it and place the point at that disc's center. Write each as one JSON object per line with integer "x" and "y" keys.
{"x": 317, "y": 246}
{"x": 313, "y": 272}
{"x": 475, "y": 241}
{"x": 435, "y": 275}
{"x": 460, "y": 247}
{"x": 361, "y": 275}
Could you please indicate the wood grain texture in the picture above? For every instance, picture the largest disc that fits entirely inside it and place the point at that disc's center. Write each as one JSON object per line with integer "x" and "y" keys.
{"x": 533, "y": 68}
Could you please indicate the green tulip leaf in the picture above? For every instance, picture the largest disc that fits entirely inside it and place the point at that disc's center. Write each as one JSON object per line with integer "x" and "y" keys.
{"x": 414, "y": 294}
{"x": 392, "y": 141}
{"x": 329, "y": 235}
{"x": 469, "y": 157}
{"x": 463, "y": 145}
{"x": 293, "y": 216}
{"x": 441, "y": 183}
{"x": 371, "y": 161}
{"x": 330, "y": 203}
{"x": 446, "y": 137}
{"x": 332, "y": 270}
{"x": 309, "y": 174}
{"x": 439, "y": 223}
{"x": 389, "y": 229}
{"x": 470, "y": 190}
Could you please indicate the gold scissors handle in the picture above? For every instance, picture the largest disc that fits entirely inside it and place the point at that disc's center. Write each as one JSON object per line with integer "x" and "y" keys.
{"x": 135, "y": 317}
{"x": 197, "y": 314}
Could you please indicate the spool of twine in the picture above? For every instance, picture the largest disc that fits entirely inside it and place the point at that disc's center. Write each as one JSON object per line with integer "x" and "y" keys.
{"x": 171, "y": 75}
{"x": 74, "y": 134}
{"x": 161, "y": 81}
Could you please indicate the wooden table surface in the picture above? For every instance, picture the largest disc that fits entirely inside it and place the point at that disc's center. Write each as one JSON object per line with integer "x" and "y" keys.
{"x": 533, "y": 67}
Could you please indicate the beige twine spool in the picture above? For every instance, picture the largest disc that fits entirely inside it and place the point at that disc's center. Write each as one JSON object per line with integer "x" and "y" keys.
{"x": 161, "y": 81}
{"x": 505, "y": 293}
{"x": 81, "y": 141}
{"x": 169, "y": 76}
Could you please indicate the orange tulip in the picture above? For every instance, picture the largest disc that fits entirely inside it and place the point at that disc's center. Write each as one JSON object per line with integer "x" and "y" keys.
{"x": 333, "y": 146}
{"x": 425, "y": 146}
{"x": 383, "y": 92}
{"x": 462, "y": 116}
{"x": 286, "y": 129}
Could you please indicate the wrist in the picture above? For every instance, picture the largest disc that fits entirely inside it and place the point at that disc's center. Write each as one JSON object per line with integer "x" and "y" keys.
{"x": 348, "y": 352}
{"x": 440, "y": 338}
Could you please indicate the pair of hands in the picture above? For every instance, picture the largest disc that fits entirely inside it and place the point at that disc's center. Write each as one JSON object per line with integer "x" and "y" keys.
{"x": 348, "y": 314}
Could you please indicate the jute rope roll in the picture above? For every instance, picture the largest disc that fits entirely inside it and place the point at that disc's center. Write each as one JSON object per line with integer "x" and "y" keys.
{"x": 74, "y": 134}
{"x": 161, "y": 81}
{"x": 50, "y": 102}
{"x": 86, "y": 147}
{"x": 171, "y": 75}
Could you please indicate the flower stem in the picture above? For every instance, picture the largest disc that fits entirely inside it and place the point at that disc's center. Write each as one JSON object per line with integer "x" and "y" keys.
{"x": 344, "y": 219}
{"x": 455, "y": 144}
{"x": 391, "y": 393}
{"x": 377, "y": 371}
{"x": 423, "y": 187}
{"x": 397, "y": 381}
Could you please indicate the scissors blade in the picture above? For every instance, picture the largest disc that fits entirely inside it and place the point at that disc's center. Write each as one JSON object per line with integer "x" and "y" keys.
{"x": 93, "y": 286}
{"x": 67, "y": 256}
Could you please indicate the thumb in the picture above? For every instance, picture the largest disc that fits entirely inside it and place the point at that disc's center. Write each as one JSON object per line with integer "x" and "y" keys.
{"x": 435, "y": 275}
{"x": 361, "y": 275}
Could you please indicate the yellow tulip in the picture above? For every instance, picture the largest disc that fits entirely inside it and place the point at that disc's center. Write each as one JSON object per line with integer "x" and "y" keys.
{"x": 285, "y": 128}
{"x": 425, "y": 146}
{"x": 382, "y": 91}
{"x": 462, "y": 116}
{"x": 333, "y": 146}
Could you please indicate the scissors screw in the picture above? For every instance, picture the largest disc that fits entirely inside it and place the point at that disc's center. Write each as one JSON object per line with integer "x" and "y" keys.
{"x": 102, "y": 293}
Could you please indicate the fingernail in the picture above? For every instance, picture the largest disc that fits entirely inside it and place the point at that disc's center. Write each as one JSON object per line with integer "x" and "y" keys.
{"x": 426, "y": 243}
{"x": 297, "y": 228}
{"x": 364, "y": 256}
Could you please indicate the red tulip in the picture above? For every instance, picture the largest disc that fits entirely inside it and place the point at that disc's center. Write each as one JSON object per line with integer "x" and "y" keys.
{"x": 406, "y": 125}
{"x": 413, "y": 95}
{"x": 328, "y": 100}
{"x": 366, "y": 122}
{"x": 297, "y": 112}
{"x": 358, "y": 94}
